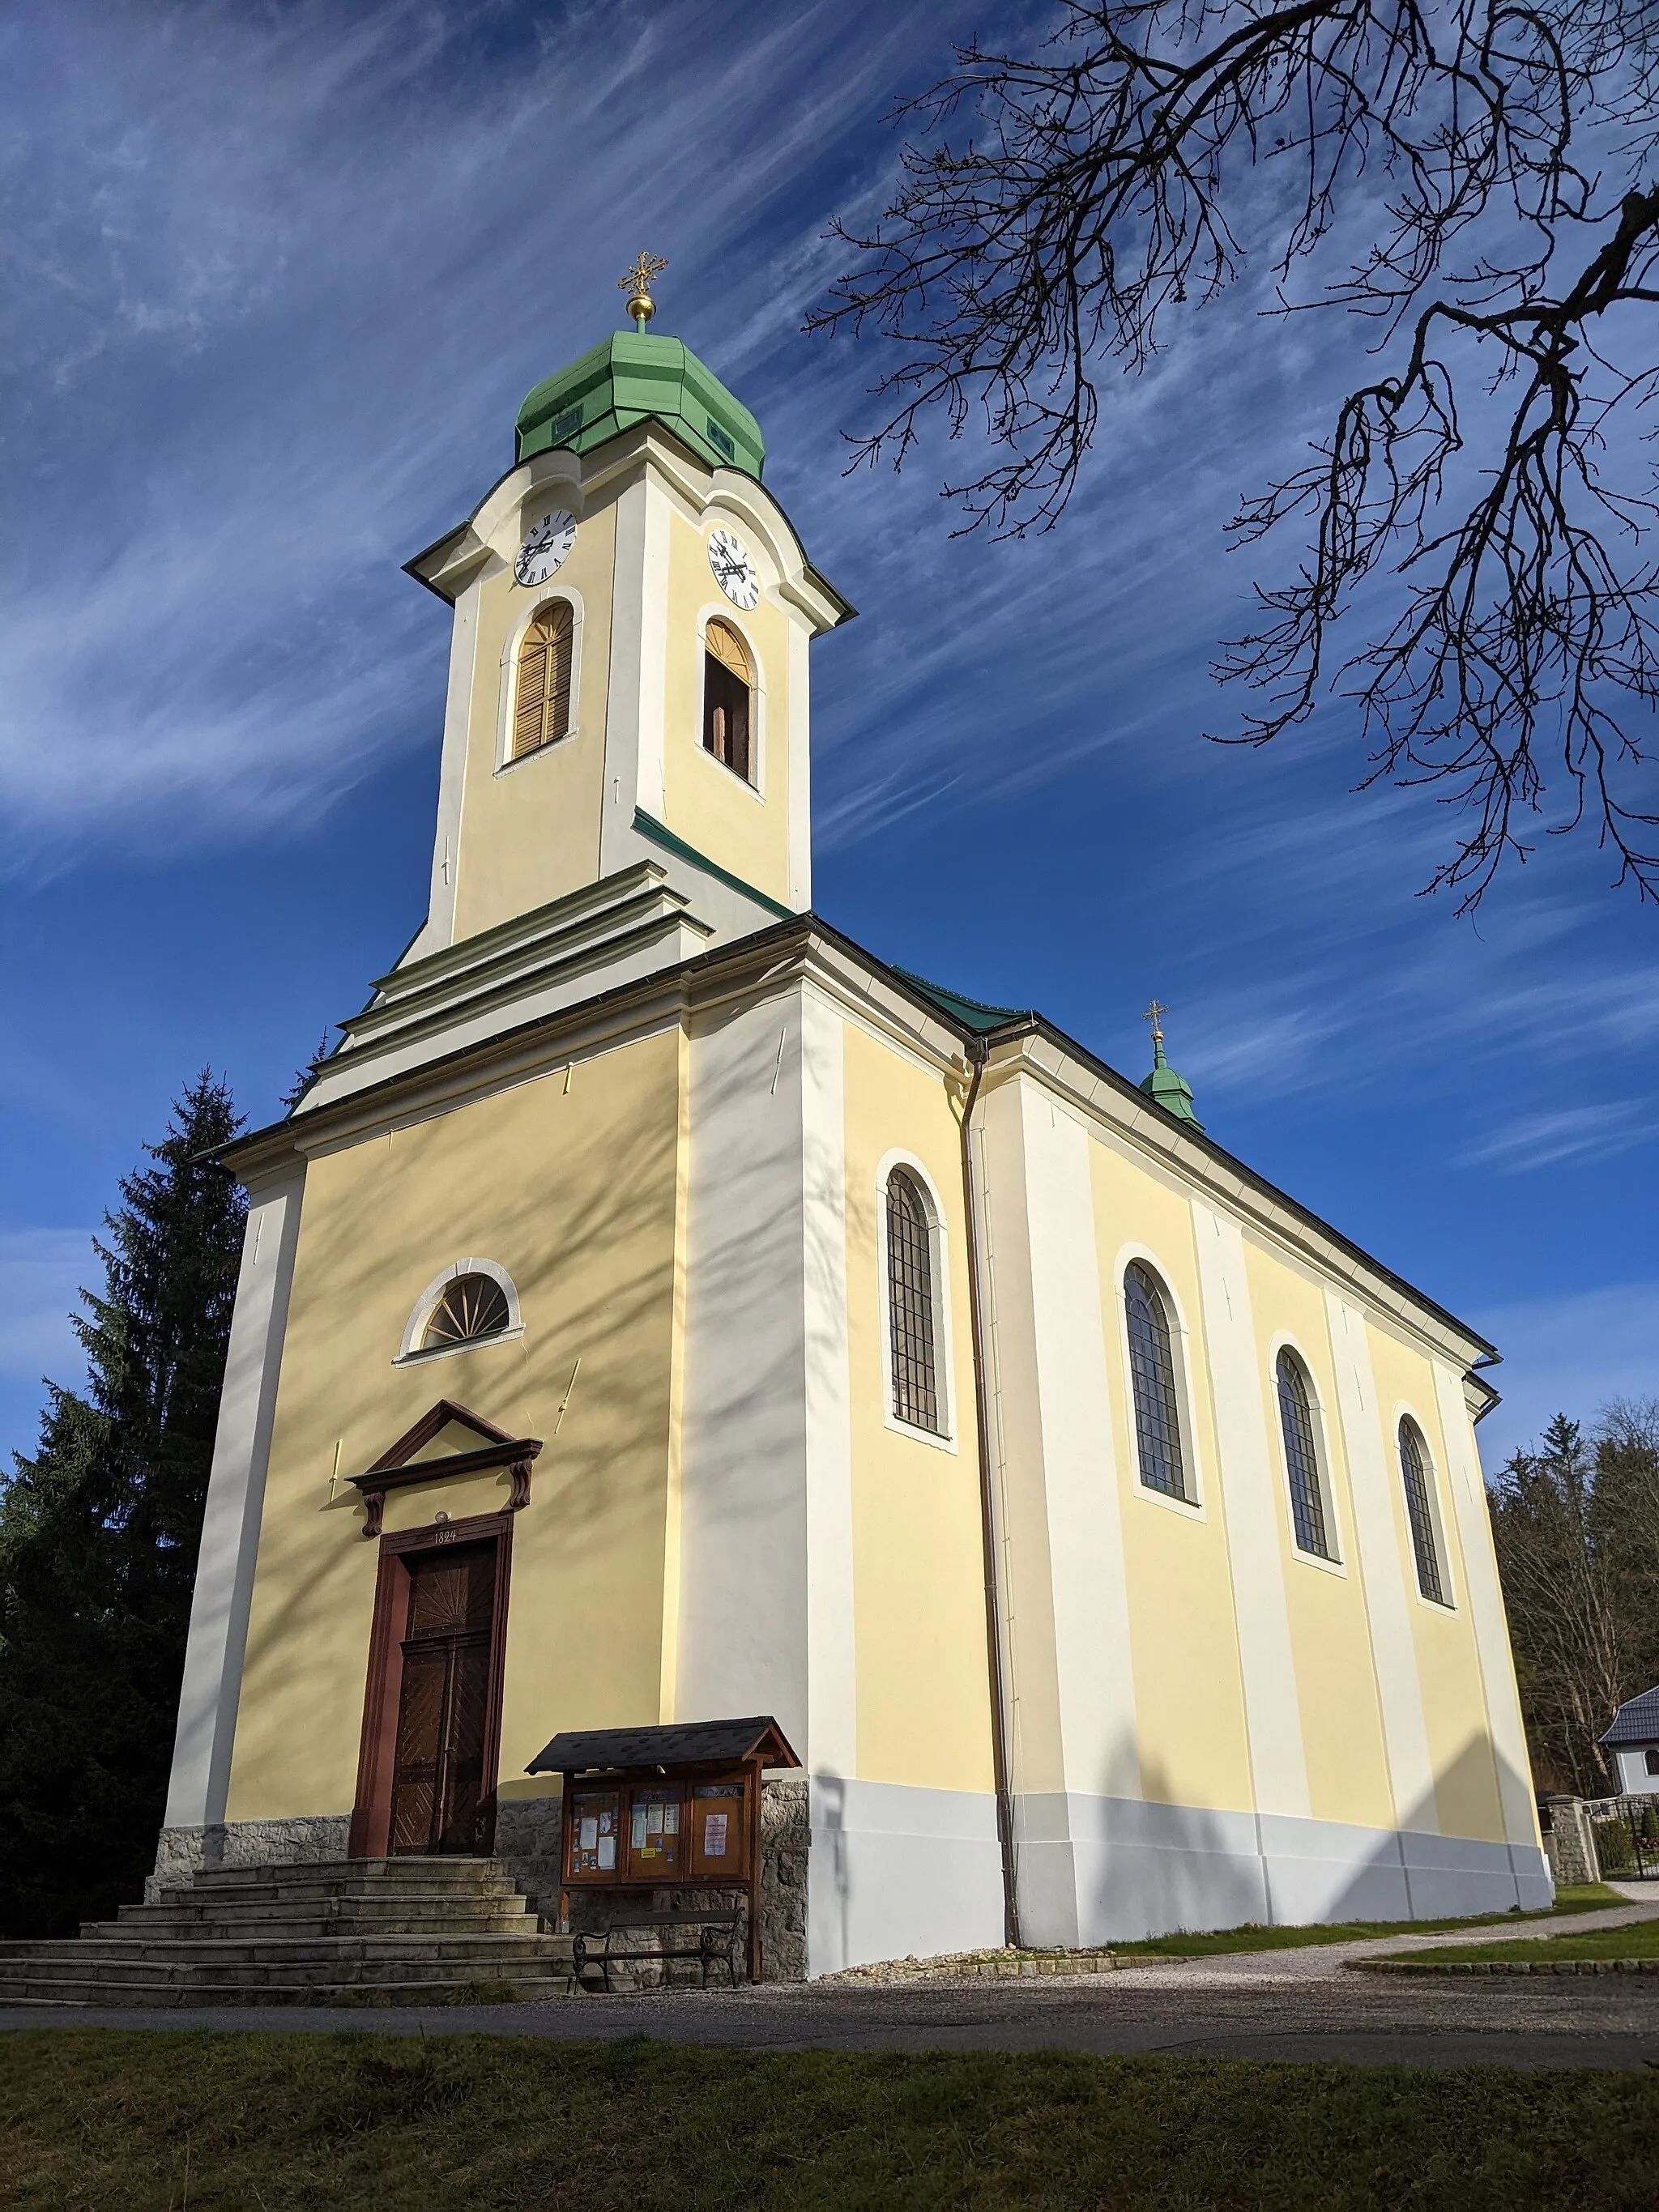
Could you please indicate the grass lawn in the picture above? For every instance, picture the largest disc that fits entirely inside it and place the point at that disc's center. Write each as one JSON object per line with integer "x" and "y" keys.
{"x": 1592, "y": 1898}
{"x": 97, "y": 2120}
{"x": 1640, "y": 1941}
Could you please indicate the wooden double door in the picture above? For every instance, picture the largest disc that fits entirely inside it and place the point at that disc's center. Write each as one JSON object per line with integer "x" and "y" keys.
{"x": 432, "y": 1718}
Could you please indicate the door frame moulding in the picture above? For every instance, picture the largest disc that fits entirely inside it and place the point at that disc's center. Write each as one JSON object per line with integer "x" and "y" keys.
{"x": 371, "y": 1816}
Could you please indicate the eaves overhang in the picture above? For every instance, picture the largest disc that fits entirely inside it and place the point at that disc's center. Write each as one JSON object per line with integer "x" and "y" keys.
{"x": 1028, "y": 1040}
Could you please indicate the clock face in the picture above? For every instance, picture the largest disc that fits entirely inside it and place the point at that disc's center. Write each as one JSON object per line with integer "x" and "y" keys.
{"x": 546, "y": 547}
{"x": 734, "y": 572}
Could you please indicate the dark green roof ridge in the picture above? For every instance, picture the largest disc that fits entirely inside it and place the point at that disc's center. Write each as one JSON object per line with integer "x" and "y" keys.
{"x": 631, "y": 377}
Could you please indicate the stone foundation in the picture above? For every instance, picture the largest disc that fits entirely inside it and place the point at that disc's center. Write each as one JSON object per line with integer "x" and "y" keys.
{"x": 181, "y": 1853}
{"x": 528, "y": 1832}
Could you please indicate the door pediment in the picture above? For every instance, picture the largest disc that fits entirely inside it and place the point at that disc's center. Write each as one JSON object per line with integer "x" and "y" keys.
{"x": 448, "y": 1440}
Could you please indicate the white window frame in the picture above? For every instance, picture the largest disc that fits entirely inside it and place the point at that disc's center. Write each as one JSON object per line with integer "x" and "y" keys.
{"x": 1197, "y": 1507}
{"x": 412, "y": 1353}
{"x": 1280, "y": 1346}
{"x": 1439, "y": 1607}
{"x": 721, "y": 610}
{"x": 508, "y": 704}
{"x": 944, "y": 1439}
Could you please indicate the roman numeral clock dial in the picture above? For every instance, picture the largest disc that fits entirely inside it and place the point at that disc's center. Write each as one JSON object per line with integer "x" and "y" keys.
{"x": 734, "y": 572}
{"x": 546, "y": 547}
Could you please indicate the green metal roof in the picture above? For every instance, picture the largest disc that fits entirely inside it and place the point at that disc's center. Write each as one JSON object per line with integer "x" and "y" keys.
{"x": 973, "y": 1013}
{"x": 1167, "y": 1089}
{"x": 633, "y": 376}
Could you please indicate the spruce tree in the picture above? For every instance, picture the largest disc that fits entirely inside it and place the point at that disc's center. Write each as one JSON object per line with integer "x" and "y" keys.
{"x": 99, "y": 1535}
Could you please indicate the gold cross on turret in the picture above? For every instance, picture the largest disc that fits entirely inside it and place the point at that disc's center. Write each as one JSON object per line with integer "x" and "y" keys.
{"x": 1155, "y": 1014}
{"x": 638, "y": 283}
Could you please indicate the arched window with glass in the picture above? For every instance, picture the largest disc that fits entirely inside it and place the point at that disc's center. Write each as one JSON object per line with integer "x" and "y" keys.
{"x": 728, "y": 681}
{"x": 1152, "y": 1385}
{"x": 1308, "y": 1518}
{"x": 1416, "y": 1471}
{"x": 912, "y": 1305}
{"x": 541, "y": 708}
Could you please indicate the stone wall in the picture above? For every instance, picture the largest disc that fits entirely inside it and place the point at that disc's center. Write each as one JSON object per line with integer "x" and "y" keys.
{"x": 180, "y": 1853}
{"x": 1570, "y": 1843}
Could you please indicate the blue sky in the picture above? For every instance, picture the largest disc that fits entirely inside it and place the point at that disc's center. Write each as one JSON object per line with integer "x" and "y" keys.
{"x": 275, "y": 281}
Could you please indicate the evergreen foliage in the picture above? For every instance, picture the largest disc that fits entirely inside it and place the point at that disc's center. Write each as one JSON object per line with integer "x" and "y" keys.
{"x": 99, "y": 1535}
{"x": 1577, "y": 1526}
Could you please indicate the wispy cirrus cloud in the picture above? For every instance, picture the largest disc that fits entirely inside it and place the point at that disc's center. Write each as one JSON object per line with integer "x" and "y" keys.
{"x": 1575, "y": 1133}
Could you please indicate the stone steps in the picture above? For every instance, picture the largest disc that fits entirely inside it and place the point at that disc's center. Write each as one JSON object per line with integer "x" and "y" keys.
{"x": 420, "y": 1931}
{"x": 345, "y": 1916}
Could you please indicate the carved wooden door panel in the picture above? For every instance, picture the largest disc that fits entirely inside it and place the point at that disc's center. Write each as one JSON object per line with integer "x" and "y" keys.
{"x": 438, "y": 1782}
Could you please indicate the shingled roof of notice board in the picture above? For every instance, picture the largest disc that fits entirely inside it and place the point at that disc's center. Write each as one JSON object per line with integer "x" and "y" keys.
{"x": 685, "y": 1743}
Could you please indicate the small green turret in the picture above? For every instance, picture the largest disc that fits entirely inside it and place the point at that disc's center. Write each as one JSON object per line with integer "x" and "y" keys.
{"x": 1163, "y": 1086}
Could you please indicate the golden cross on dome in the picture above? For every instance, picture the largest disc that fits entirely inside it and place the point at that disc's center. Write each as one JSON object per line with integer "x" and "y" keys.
{"x": 638, "y": 282}
{"x": 1155, "y": 1014}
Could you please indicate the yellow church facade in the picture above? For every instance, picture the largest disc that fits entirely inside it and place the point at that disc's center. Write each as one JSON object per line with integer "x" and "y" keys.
{"x": 660, "y": 1310}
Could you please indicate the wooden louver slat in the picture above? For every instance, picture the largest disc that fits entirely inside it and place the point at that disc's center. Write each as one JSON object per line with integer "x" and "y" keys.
{"x": 541, "y": 707}
{"x": 727, "y": 646}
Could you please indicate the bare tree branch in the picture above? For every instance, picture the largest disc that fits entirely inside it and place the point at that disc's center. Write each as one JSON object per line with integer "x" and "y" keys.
{"x": 1121, "y": 173}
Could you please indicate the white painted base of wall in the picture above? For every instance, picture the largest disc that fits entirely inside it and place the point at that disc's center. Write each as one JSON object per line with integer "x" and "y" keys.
{"x": 1095, "y": 1870}
{"x": 896, "y": 1872}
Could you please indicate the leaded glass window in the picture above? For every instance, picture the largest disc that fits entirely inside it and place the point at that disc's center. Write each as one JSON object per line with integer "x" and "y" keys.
{"x": 472, "y": 1306}
{"x": 1302, "y": 1460}
{"x": 910, "y": 1304}
{"x": 1414, "y": 1471}
{"x": 1151, "y": 1374}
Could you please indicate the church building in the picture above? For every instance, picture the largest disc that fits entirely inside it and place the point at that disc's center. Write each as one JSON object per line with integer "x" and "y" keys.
{"x": 707, "y": 1406}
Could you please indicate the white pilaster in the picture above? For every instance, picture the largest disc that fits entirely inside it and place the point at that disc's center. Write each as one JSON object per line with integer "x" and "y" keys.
{"x": 634, "y": 707}
{"x": 1279, "y": 1766}
{"x": 440, "y": 928}
{"x": 831, "y": 1656}
{"x": 800, "y": 768}
{"x": 744, "y": 1620}
{"x": 230, "y": 1529}
{"x": 1483, "y": 1597}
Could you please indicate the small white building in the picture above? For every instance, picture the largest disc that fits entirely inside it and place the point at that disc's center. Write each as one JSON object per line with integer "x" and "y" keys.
{"x": 1633, "y": 1741}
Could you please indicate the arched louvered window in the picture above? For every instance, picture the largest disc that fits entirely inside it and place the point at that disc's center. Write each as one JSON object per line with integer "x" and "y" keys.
{"x": 1296, "y": 1421}
{"x": 471, "y": 1307}
{"x": 1414, "y": 1470}
{"x": 911, "y": 1319}
{"x": 1152, "y": 1380}
{"x": 541, "y": 712}
{"x": 727, "y": 693}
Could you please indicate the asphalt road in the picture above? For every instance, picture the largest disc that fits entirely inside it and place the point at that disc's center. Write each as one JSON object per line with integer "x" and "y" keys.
{"x": 1366, "y": 2020}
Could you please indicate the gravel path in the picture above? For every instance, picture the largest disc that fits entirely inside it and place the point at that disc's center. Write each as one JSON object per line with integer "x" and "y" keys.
{"x": 1293, "y": 2004}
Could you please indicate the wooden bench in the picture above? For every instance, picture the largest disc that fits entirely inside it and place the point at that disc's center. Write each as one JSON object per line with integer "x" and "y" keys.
{"x": 716, "y": 1944}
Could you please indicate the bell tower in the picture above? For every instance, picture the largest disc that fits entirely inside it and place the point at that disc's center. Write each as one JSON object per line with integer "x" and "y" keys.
{"x": 630, "y": 556}
{"x": 626, "y": 775}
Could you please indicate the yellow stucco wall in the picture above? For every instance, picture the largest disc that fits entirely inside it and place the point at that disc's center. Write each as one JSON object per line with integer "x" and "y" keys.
{"x": 1330, "y": 1636}
{"x": 575, "y": 1193}
{"x": 530, "y": 831}
{"x": 745, "y": 827}
{"x": 1189, "y": 1699}
{"x": 923, "y": 1689}
{"x": 1467, "y": 1800}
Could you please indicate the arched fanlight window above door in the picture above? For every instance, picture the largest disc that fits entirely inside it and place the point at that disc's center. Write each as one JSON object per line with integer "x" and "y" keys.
{"x": 472, "y": 1307}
